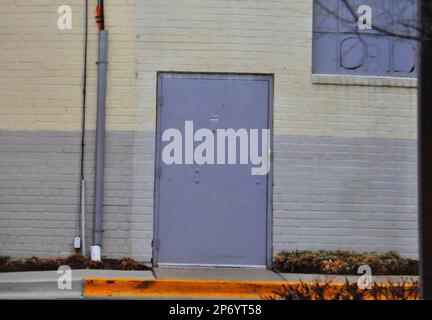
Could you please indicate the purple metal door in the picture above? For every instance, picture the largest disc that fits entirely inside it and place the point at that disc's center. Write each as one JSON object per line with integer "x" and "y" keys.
{"x": 210, "y": 214}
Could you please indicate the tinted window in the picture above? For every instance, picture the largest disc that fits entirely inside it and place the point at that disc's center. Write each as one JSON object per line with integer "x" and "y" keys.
{"x": 344, "y": 43}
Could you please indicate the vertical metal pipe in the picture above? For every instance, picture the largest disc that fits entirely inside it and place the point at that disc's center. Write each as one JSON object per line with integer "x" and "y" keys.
{"x": 100, "y": 140}
{"x": 83, "y": 131}
{"x": 83, "y": 218}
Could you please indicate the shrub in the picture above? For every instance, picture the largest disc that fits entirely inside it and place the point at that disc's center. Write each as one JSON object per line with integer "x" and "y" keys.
{"x": 75, "y": 261}
{"x": 127, "y": 264}
{"x": 348, "y": 291}
{"x": 3, "y": 261}
{"x": 343, "y": 263}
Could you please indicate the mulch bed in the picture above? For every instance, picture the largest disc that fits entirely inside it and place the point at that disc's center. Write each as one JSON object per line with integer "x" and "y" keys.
{"x": 75, "y": 261}
{"x": 344, "y": 263}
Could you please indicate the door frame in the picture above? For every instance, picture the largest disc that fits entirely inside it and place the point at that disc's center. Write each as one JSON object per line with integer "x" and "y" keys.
{"x": 156, "y": 196}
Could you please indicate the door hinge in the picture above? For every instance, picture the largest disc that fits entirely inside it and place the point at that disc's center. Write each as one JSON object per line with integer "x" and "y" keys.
{"x": 159, "y": 171}
{"x": 161, "y": 100}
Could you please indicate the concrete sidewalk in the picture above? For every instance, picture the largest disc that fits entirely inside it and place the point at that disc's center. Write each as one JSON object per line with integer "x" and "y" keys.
{"x": 43, "y": 285}
{"x": 292, "y": 277}
{"x": 239, "y": 274}
{"x": 265, "y": 275}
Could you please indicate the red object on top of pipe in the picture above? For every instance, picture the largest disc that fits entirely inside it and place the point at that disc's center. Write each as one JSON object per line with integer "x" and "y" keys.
{"x": 99, "y": 17}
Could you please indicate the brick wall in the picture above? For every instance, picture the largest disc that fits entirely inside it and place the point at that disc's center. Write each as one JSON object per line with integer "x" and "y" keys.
{"x": 344, "y": 155}
{"x": 345, "y": 193}
{"x": 40, "y": 121}
{"x": 345, "y": 166}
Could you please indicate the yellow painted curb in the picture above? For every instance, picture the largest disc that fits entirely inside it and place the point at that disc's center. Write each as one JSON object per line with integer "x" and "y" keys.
{"x": 180, "y": 288}
{"x": 175, "y": 288}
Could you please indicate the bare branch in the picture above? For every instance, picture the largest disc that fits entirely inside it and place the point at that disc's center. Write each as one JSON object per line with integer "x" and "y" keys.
{"x": 418, "y": 31}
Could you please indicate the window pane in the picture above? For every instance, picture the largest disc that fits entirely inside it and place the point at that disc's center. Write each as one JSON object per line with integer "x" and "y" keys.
{"x": 340, "y": 46}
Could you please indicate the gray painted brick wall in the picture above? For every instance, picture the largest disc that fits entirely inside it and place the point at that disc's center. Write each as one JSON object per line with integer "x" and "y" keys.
{"x": 329, "y": 193}
{"x": 345, "y": 193}
{"x": 39, "y": 193}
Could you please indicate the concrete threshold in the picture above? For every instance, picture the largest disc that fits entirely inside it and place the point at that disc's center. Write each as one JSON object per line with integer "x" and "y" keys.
{"x": 239, "y": 274}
